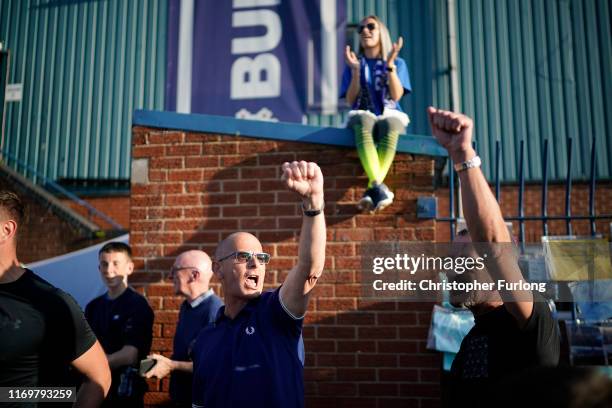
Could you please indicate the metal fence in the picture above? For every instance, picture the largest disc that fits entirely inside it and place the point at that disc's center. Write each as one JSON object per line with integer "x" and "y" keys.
{"x": 544, "y": 217}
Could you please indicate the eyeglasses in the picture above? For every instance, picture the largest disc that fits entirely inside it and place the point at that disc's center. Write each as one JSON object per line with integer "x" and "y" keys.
{"x": 369, "y": 26}
{"x": 245, "y": 256}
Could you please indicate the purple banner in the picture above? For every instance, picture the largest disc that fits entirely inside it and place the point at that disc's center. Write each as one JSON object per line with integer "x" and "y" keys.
{"x": 265, "y": 59}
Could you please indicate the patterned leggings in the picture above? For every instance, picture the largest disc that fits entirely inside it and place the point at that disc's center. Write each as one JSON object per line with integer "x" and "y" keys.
{"x": 376, "y": 159}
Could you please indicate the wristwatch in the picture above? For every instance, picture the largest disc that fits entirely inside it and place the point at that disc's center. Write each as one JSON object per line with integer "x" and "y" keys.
{"x": 312, "y": 213}
{"x": 468, "y": 164}
{"x": 390, "y": 69}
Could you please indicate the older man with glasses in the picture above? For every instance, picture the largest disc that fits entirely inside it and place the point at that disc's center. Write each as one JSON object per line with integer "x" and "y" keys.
{"x": 191, "y": 275}
{"x": 250, "y": 355}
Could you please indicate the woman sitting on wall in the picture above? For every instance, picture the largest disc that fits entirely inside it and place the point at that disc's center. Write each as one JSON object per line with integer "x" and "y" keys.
{"x": 372, "y": 84}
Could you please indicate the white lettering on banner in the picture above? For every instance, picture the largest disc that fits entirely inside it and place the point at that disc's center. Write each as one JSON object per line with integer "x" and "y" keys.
{"x": 254, "y": 45}
{"x": 258, "y": 77}
{"x": 254, "y": 3}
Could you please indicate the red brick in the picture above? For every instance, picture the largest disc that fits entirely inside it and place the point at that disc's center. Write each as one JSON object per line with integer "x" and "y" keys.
{"x": 319, "y": 374}
{"x": 335, "y": 332}
{"x": 377, "y": 360}
{"x": 166, "y": 317}
{"x": 314, "y": 346}
{"x": 165, "y": 138}
{"x": 256, "y": 198}
{"x": 360, "y": 346}
{"x": 216, "y": 149}
{"x": 250, "y": 147}
{"x": 356, "y": 318}
{"x": 169, "y": 330}
{"x": 404, "y": 318}
{"x": 398, "y": 374}
{"x": 381, "y": 389}
{"x": 377, "y": 332}
{"x": 184, "y": 150}
{"x": 161, "y": 344}
{"x": 166, "y": 163}
{"x": 240, "y": 211}
{"x": 320, "y": 317}
{"x": 250, "y": 224}
{"x": 337, "y": 389}
{"x": 185, "y": 175}
{"x": 397, "y": 346}
{"x": 356, "y": 374}
{"x": 200, "y": 137}
{"x": 260, "y": 173}
{"x": 335, "y": 305}
{"x": 147, "y": 151}
{"x": 352, "y": 290}
{"x": 219, "y": 199}
{"x": 426, "y": 360}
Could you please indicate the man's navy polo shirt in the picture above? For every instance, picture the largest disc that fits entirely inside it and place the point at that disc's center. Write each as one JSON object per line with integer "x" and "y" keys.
{"x": 250, "y": 361}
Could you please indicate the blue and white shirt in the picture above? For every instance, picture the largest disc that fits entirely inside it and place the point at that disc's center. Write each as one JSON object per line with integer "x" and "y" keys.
{"x": 374, "y": 74}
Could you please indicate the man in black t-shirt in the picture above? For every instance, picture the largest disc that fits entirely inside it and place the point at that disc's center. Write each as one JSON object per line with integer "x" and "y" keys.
{"x": 123, "y": 321}
{"x": 514, "y": 328}
{"x": 42, "y": 329}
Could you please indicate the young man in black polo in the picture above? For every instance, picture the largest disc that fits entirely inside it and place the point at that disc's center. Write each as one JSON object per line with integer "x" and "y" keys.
{"x": 191, "y": 275}
{"x": 514, "y": 329}
{"x": 123, "y": 321}
{"x": 42, "y": 329}
{"x": 250, "y": 356}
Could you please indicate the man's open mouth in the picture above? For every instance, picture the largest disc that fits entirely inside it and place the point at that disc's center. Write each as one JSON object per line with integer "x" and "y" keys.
{"x": 252, "y": 281}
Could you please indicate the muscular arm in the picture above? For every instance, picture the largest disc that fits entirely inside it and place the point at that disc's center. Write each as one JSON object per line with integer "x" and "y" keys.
{"x": 93, "y": 366}
{"x": 311, "y": 256}
{"x": 128, "y": 355}
{"x": 482, "y": 213}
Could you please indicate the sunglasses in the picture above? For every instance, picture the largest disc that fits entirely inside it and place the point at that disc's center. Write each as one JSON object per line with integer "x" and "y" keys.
{"x": 245, "y": 256}
{"x": 369, "y": 26}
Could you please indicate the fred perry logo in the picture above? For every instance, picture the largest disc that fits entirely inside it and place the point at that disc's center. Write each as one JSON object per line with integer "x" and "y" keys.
{"x": 249, "y": 330}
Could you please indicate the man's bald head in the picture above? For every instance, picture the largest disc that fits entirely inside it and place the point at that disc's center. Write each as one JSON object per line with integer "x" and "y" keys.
{"x": 191, "y": 273}
{"x": 235, "y": 241}
{"x": 195, "y": 259}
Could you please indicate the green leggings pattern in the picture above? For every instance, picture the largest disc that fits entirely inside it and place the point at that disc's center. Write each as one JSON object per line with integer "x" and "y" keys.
{"x": 375, "y": 159}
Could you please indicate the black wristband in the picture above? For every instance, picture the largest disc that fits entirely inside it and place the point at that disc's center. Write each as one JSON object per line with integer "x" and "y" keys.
{"x": 312, "y": 213}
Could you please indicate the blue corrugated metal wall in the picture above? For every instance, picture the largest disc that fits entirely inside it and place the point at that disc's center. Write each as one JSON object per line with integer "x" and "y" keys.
{"x": 528, "y": 69}
{"x": 532, "y": 69}
{"x": 85, "y": 65}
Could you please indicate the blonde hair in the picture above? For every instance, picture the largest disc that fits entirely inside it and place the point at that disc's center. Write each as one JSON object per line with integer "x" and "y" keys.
{"x": 385, "y": 38}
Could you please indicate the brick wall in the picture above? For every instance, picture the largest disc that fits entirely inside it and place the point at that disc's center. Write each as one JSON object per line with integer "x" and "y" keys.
{"x": 116, "y": 207}
{"x": 202, "y": 187}
{"x": 44, "y": 234}
{"x": 555, "y": 206}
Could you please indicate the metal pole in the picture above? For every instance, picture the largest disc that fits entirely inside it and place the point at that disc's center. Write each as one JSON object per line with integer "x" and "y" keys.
{"x": 451, "y": 198}
{"x": 545, "y": 187}
{"x": 497, "y": 170}
{"x": 521, "y": 211}
{"x": 568, "y": 187}
{"x": 592, "y": 189}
